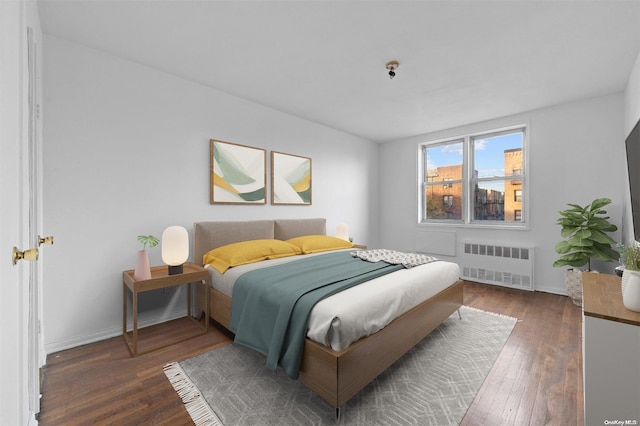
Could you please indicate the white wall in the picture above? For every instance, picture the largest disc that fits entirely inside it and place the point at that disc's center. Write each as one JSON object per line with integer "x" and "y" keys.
{"x": 576, "y": 155}
{"x": 127, "y": 153}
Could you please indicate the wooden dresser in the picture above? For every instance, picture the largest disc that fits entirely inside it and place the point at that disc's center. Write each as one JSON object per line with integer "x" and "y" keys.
{"x": 611, "y": 353}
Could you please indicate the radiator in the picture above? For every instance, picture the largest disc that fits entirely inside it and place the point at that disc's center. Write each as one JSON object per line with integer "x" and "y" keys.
{"x": 499, "y": 264}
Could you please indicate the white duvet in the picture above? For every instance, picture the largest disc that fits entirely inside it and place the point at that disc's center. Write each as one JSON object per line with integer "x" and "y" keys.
{"x": 359, "y": 311}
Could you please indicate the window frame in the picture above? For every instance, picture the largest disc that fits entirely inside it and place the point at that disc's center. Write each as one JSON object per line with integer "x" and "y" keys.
{"x": 448, "y": 183}
{"x": 468, "y": 180}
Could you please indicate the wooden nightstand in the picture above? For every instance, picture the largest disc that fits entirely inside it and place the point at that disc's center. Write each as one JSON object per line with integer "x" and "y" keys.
{"x": 161, "y": 279}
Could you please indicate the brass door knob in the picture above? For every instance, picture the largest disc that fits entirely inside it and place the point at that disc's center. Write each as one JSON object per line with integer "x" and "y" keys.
{"x": 31, "y": 255}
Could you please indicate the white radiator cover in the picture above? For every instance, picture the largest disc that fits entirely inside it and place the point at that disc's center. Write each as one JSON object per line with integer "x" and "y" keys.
{"x": 494, "y": 263}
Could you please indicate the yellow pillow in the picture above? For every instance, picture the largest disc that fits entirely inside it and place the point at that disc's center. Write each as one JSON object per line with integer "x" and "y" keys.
{"x": 236, "y": 254}
{"x": 316, "y": 243}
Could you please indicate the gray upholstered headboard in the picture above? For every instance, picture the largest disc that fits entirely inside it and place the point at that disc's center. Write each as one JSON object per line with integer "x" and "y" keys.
{"x": 209, "y": 235}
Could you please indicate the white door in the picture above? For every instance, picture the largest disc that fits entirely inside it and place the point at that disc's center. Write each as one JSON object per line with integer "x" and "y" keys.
{"x": 20, "y": 346}
{"x": 36, "y": 355}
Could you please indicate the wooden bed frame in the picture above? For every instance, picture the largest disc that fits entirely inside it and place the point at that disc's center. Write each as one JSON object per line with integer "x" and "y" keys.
{"x": 335, "y": 376}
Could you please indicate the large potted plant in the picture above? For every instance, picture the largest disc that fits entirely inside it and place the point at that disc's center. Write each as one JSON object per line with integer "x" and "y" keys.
{"x": 584, "y": 230}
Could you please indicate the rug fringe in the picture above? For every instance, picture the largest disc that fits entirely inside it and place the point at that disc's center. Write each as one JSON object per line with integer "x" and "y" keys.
{"x": 491, "y": 313}
{"x": 194, "y": 402}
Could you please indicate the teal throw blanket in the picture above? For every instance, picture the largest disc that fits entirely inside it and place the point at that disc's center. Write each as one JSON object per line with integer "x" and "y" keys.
{"x": 270, "y": 307}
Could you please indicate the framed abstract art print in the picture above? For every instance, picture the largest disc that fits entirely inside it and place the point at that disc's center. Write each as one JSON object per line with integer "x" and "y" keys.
{"x": 238, "y": 173}
{"x": 290, "y": 179}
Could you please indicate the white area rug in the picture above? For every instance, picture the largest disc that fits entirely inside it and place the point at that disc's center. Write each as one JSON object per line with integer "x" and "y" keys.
{"x": 433, "y": 384}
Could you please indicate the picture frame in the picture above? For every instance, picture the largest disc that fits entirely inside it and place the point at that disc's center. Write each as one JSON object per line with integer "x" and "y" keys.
{"x": 238, "y": 173}
{"x": 291, "y": 182}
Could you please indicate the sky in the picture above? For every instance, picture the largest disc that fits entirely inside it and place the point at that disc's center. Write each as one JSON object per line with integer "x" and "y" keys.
{"x": 489, "y": 158}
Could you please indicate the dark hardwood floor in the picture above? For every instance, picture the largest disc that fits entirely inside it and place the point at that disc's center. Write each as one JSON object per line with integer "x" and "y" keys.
{"x": 536, "y": 380}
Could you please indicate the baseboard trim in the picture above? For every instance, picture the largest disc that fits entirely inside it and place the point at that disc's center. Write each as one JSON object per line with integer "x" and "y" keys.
{"x": 108, "y": 333}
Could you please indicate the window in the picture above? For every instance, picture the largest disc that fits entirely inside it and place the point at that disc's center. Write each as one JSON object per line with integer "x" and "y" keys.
{"x": 447, "y": 201}
{"x": 474, "y": 179}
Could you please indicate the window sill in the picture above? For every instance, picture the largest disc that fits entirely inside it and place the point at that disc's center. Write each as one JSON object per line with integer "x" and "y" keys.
{"x": 476, "y": 225}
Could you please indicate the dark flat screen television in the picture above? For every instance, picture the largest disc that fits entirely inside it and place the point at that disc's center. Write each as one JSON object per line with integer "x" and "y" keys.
{"x": 633, "y": 165}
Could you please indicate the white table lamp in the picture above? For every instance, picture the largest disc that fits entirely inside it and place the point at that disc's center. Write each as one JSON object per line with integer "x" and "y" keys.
{"x": 175, "y": 248}
{"x": 342, "y": 231}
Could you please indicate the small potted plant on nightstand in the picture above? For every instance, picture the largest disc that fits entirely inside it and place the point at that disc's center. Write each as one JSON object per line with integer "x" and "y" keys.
{"x": 585, "y": 231}
{"x": 143, "y": 270}
{"x": 630, "y": 258}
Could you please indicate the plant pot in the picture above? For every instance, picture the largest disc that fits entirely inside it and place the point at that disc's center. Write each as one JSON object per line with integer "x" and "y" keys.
{"x": 631, "y": 290}
{"x": 142, "y": 271}
{"x": 573, "y": 283}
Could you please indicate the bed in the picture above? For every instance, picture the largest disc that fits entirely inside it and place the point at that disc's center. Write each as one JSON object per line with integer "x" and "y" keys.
{"x": 335, "y": 375}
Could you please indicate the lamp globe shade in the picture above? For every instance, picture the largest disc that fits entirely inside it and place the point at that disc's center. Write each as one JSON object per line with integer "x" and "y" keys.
{"x": 175, "y": 245}
{"x": 342, "y": 231}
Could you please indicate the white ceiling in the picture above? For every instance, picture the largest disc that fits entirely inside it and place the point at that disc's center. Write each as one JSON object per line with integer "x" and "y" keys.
{"x": 460, "y": 61}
